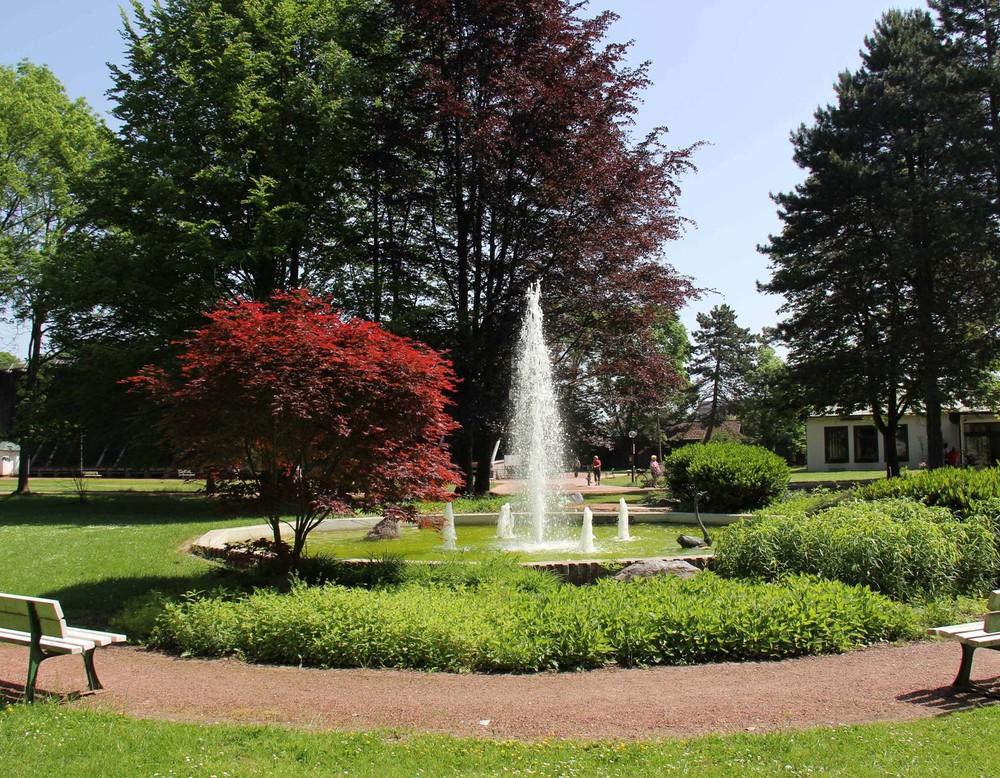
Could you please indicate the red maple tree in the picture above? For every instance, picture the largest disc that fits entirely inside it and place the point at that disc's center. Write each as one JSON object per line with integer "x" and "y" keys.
{"x": 300, "y": 410}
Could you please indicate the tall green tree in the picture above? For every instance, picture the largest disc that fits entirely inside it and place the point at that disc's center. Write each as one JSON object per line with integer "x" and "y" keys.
{"x": 421, "y": 162}
{"x": 234, "y": 172}
{"x": 48, "y": 145}
{"x": 534, "y": 175}
{"x": 882, "y": 258}
{"x": 722, "y": 357}
{"x": 773, "y": 409}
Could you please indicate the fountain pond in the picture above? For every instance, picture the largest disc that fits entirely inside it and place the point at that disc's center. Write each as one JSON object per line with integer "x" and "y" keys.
{"x": 476, "y": 542}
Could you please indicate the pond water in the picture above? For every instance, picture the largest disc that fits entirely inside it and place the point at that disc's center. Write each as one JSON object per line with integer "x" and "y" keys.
{"x": 479, "y": 543}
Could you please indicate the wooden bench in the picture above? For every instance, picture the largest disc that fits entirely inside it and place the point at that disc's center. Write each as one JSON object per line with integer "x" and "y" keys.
{"x": 973, "y": 635}
{"x": 39, "y": 624}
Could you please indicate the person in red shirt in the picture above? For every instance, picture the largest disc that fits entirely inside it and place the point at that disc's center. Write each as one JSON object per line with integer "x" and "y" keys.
{"x": 595, "y": 466}
{"x": 953, "y": 457}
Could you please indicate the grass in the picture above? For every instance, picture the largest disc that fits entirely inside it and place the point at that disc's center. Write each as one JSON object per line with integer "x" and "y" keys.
{"x": 96, "y": 555}
{"x": 800, "y": 476}
{"x": 46, "y": 739}
{"x": 104, "y": 485}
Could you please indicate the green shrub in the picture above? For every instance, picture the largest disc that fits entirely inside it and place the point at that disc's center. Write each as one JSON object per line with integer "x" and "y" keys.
{"x": 901, "y": 548}
{"x": 958, "y": 489}
{"x": 508, "y": 624}
{"x": 733, "y": 476}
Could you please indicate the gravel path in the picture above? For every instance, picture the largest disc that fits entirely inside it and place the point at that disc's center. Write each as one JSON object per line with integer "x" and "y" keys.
{"x": 882, "y": 683}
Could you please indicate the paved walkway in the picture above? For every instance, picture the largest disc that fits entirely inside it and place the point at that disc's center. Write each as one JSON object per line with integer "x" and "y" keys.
{"x": 567, "y": 484}
{"x": 882, "y": 683}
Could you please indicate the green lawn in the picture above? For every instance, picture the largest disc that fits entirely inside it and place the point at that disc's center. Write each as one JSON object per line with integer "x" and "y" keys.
{"x": 46, "y": 739}
{"x": 97, "y": 554}
{"x": 799, "y": 475}
{"x": 102, "y": 485}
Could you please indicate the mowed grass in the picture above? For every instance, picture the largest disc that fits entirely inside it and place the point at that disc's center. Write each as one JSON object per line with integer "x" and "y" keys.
{"x": 46, "y": 739}
{"x": 799, "y": 475}
{"x": 97, "y": 554}
{"x": 104, "y": 485}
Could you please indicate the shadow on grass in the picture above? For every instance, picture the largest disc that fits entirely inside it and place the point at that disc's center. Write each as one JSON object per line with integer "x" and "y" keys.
{"x": 122, "y": 508}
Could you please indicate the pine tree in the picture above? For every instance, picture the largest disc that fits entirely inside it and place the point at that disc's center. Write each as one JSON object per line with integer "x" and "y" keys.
{"x": 722, "y": 359}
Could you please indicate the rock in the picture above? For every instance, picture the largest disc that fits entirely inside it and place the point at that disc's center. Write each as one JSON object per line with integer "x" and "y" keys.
{"x": 387, "y": 529}
{"x": 652, "y": 567}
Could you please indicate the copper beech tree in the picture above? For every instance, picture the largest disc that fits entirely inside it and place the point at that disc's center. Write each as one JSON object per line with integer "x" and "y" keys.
{"x": 305, "y": 413}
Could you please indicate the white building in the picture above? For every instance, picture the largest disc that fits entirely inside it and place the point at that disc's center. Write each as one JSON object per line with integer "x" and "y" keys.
{"x": 851, "y": 441}
{"x": 10, "y": 458}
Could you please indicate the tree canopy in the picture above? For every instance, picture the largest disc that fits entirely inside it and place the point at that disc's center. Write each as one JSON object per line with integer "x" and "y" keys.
{"x": 48, "y": 145}
{"x": 421, "y": 162}
{"x": 722, "y": 358}
{"x": 887, "y": 254}
{"x": 289, "y": 404}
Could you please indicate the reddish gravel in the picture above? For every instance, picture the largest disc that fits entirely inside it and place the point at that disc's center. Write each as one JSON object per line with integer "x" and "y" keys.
{"x": 883, "y": 683}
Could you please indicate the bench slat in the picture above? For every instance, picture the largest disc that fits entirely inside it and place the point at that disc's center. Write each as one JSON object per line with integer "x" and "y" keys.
{"x": 58, "y": 645}
{"x": 14, "y": 610}
{"x": 100, "y": 638}
{"x": 955, "y": 629}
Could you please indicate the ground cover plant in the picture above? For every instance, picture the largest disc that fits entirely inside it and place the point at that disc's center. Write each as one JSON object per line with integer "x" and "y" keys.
{"x": 732, "y": 477}
{"x": 900, "y": 547}
{"x": 496, "y": 624}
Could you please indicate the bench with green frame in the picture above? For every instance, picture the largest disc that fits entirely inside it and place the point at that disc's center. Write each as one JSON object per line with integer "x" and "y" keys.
{"x": 973, "y": 635}
{"x": 39, "y": 624}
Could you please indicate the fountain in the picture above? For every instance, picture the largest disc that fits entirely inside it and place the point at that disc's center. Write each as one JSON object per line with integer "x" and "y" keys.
{"x": 537, "y": 433}
{"x": 623, "y": 533}
{"x": 505, "y": 523}
{"x": 587, "y": 532}
{"x": 448, "y": 530}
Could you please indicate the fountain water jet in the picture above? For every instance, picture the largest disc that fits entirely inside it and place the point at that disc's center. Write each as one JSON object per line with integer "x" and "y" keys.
{"x": 623, "y": 533}
{"x": 448, "y": 530}
{"x": 505, "y": 523}
{"x": 537, "y": 431}
{"x": 587, "y": 532}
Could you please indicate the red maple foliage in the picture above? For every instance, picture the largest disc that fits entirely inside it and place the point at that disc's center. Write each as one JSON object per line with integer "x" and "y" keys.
{"x": 298, "y": 409}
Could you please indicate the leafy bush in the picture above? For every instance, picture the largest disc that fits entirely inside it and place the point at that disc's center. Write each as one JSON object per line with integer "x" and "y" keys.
{"x": 735, "y": 477}
{"x": 958, "y": 489}
{"x": 493, "y": 623}
{"x": 484, "y": 504}
{"x": 901, "y": 548}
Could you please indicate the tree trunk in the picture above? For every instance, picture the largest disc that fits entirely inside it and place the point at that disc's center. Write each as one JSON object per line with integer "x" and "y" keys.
{"x": 30, "y": 386}
{"x": 935, "y": 439}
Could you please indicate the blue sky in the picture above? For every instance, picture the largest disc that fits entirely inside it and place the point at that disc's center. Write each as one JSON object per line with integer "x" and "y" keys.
{"x": 738, "y": 75}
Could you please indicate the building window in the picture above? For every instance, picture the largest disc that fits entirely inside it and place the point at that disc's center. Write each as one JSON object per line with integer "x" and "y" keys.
{"x": 865, "y": 444}
{"x": 835, "y": 440}
{"x": 903, "y": 443}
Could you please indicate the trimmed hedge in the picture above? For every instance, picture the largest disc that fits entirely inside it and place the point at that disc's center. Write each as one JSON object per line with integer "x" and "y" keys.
{"x": 734, "y": 476}
{"x": 492, "y": 626}
{"x": 900, "y": 547}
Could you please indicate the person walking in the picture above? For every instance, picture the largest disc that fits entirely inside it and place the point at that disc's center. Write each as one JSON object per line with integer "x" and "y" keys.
{"x": 576, "y": 467}
{"x": 595, "y": 467}
{"x": 655, "y": 469}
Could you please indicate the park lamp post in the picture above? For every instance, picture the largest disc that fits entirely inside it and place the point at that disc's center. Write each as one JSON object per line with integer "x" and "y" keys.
{"x": 632, "y": 434}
